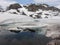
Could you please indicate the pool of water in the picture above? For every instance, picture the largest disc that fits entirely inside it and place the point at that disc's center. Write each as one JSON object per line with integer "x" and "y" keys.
{"x": 22, "y": 38}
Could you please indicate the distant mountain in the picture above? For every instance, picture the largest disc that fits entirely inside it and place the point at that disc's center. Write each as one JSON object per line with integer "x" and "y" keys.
{"x": 33, "y": 10}
{"x": 14, "y": 6}
{"x": 35, "y": 7}
{"x": 1, "y": 9}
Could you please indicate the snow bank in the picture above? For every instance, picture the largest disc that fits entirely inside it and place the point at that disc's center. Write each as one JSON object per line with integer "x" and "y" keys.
{"x": 8, "y": 18}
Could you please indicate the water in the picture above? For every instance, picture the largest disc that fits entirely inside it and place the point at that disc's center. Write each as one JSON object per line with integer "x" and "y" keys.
{"x": 22, "y": 38}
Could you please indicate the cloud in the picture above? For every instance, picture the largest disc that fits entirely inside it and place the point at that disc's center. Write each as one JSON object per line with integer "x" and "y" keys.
{"x": 5, "y": 3}
{"x": 50, "y": 2}
{"x": 45, "y": 1}
{"x": 58, "y": 6}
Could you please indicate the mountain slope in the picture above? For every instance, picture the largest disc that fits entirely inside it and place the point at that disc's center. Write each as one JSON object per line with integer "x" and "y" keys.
{"x": 33, "y": 10}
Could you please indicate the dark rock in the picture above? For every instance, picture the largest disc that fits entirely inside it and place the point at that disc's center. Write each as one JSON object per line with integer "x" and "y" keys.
{"x": 35, "y": 7}
{"x": 31, "y": 30}
{"x": 54, "y": 42}
{"x": 15, "y": 31}
{"x": 14, "y": 6}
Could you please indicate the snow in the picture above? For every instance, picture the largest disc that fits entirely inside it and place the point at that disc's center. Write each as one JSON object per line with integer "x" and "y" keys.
{"x": 12, "y": 11}
{"x": 25, "y": 11}
{"x": 13, "y": 17}
{"x": 39, "y": 11}
{"x": 8, "y": 15}
{"x": 52, "y": 33}
{"x": 45, "y": 5}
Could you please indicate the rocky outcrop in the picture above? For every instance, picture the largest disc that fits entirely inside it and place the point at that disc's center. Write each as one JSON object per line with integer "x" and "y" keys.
{"x": 14, "y": 6}
{"x": 53, "y": 31}
{"x": 54, "y": 42}
{"x": 35, "y": 7}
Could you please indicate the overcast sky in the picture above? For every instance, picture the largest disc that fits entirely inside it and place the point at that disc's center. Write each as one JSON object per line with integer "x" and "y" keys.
{"x": 49, "y": 2}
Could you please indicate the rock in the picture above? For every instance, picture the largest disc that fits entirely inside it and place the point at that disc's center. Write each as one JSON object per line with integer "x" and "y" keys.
{"x": 54, "y": 42}
{"x": 14, "y": 6}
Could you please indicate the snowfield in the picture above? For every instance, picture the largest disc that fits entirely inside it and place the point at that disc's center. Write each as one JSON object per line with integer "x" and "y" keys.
{"x": 7, "y": 17}
{"x": 16, "y": 20}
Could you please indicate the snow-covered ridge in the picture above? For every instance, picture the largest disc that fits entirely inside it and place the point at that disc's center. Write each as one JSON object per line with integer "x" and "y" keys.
{"x": 33, "y": 10}
{"x": 19, "y": 11}
{"x": 42, "y": 11}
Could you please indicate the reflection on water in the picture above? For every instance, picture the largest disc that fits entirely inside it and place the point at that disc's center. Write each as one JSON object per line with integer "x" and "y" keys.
{"x": 22, "y": 38}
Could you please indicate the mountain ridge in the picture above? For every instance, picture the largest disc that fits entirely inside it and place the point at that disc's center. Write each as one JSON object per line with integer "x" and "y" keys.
{"x": 32, "y": 10}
